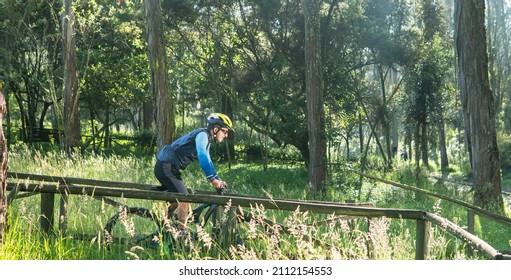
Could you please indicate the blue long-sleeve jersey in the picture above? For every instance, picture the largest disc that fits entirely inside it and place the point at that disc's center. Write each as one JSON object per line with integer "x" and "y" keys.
{"x": 184, "y": 150}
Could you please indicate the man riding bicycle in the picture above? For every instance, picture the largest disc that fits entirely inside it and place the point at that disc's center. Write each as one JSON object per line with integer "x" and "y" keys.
{"x": 176, "y": 156}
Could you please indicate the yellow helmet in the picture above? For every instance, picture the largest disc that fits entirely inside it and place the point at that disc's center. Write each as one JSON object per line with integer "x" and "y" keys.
{"x": 220, "y": 120}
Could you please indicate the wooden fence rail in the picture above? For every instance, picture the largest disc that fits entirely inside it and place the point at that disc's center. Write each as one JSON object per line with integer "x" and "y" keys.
{"x": 77, "y": 181}
{"x": 492, "y": 216}
{"x": 472, "y": 210}
{"x": 278, "y": 204}
{"x": 65, "y": 188}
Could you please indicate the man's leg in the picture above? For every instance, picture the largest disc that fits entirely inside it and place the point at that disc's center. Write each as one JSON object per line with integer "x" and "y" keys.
{"x": 183, "y": 210}
{"x": 171, "y": 178}
{"x": 177, "y": 185}
{"x": 170, "y": 210}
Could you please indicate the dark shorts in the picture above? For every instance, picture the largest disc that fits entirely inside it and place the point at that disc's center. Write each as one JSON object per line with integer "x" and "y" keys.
{"x": 169, "y": 177}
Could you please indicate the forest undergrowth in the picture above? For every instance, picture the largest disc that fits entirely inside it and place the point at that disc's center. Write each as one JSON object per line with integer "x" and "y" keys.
{"x": 270, "y": 234}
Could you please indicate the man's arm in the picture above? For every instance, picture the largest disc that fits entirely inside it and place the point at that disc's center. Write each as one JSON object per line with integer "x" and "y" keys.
{"x": 205, "y": 162}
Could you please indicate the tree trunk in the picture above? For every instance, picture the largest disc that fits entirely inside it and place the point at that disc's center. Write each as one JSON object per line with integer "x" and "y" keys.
{"x": 3, "y": 169}
{"x": 147, "y": 116}
{"x": 8, "y": 118}
{"x": 226, "y": 108}
{"x": 417, "y": 146}
{"x": 478, "y": 104}
{"x": 444, "y": 162}
{"x": 395, "y": 135}
{"x": 498, "y": 53}
{"x": 72, "y": 133}
{"x": 159, "y": 81}
{"x": 424, "y": 143}
{"x": 361, "y": 132}
{"x": 94, "y": 129}
{"x": 106, "y": 133}
{"x": 499, "y": 58}
{"x": 315, "y": 112}
{"x": 383, "y": 114}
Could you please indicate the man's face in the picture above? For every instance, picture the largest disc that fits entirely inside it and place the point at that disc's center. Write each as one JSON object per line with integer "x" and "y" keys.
{"x": 221, "y": 134}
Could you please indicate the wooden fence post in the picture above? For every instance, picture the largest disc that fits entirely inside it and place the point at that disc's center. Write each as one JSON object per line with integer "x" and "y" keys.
{"x": 225, "y": 226}
{"x": 47, "y": 216}
{"x": 217, "y": 222}
{"x": 422, "y": 239}
{"x": 228, "y": 230}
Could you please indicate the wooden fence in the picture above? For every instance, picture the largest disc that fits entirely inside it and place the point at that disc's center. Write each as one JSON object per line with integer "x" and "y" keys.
{"x": 19, "y": 186}
{"x": 472, "y": 210}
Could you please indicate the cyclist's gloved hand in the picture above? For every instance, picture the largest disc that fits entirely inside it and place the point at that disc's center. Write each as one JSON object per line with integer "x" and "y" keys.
{"x": 219, "y": 185}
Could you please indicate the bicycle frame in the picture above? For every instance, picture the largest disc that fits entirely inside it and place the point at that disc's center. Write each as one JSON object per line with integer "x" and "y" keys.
{"x": 198, "y": 211}
{"x": 148, "y": 214}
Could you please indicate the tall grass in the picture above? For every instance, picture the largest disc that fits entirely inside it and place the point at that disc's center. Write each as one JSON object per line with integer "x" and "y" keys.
{"x": 270, "y": 234}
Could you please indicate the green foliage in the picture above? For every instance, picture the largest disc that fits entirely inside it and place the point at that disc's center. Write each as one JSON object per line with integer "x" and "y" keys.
{"x": 387, "y": 33}
{"x": 24, "y": 242}
{"x": 180, "y": 9}
{"x": 505, "y": 152}
{"x": 30, "y": 60}
{"x": 145, "y": 139}
{"x": 427, "y": 79}
{"x": 115, "y": 65}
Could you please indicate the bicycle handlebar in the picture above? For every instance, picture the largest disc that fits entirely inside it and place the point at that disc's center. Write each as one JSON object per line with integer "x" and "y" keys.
{"x": 221, "y": 189}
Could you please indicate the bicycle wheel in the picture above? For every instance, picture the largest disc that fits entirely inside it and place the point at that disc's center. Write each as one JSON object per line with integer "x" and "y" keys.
{"x": 134, "y": 226}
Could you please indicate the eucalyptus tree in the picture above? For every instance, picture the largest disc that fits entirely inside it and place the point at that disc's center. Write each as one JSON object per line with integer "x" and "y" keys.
{"x": 200, "y": 40}
{"x": 5, "y": 57}
{"x": 478, "y": 103}
{"x": 159, "y": 77}
{"x": 271, "y": 85}
{"x": 387, "y": 38}
{"x": 112, "y": 55}
{"x": 30, "y": 61}
{"x": 426, "y": 81}
{"x": 499, "y": 58}
{"x": 315, "y": 102}
{"x": 72, "y": 131}
{"x": 253, "y": 53}
{"x": 270, "y": 77}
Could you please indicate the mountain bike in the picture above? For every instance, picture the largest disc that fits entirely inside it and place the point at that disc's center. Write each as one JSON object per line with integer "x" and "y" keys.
{"x": 144, "y": 227}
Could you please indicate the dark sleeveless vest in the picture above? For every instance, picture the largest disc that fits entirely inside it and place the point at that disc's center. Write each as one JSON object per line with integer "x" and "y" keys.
{"x": 182, "y": 151}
